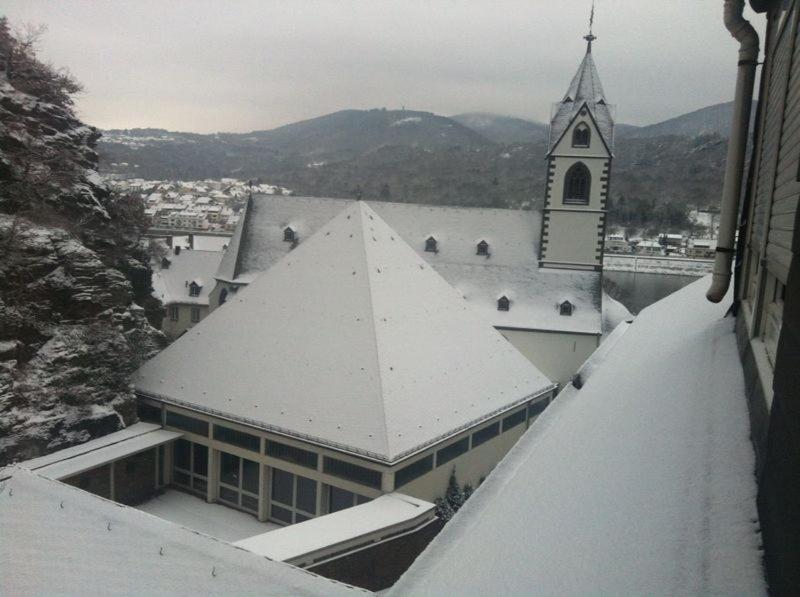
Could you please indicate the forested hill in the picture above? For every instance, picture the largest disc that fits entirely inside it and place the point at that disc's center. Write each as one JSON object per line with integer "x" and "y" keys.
{"x": 470, "y": 159}
{"x": 71, "y": 272}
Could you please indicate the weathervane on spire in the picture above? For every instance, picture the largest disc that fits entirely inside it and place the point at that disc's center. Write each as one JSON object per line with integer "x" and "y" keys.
{"x": 590, "y": 38}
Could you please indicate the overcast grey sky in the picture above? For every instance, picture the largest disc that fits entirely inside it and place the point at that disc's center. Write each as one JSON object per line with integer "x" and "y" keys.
{"x": 241, "y": 65}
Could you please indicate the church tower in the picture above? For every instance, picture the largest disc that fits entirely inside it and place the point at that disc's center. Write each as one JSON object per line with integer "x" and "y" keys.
{"x": 578, "y": 172}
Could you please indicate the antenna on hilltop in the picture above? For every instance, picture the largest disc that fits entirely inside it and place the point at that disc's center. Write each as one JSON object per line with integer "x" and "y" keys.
{"x": 590, "y": 37}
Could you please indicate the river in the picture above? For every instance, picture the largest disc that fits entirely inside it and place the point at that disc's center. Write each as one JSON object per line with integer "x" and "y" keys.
{"x": 637, "y": 290}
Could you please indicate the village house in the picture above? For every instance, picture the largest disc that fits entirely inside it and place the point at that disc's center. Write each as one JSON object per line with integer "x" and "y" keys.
{"x": 182, "y": 281}
{"x": 649, "y": 247}
{"x": 616, "y": 243}
{"x": 701, "y": 248}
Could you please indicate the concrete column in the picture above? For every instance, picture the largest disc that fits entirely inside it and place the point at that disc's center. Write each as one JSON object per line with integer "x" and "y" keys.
{"x": 168, "y": 451}
{"x": 156, "y": 467}
{"x": 387, "y": 482}
{"x": 321, "y": 491}
{"x": 111, "y": 491}
{"x": 263, "y": 492}
{"x": 212, "y": 492}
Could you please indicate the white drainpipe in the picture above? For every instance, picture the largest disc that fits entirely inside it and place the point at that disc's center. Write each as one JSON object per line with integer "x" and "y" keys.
{"x": 743, "y": 31}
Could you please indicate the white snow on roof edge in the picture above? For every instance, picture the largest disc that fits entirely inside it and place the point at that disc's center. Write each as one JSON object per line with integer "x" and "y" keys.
{"x": 639, "y": 483}
{"x": 70, "y": 542}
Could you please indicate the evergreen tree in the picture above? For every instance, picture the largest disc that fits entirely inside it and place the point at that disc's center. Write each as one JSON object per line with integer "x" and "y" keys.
{"x": 453, "y": 499}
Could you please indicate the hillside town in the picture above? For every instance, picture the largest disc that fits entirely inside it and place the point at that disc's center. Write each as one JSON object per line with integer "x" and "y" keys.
{"x": 203, "y": 205}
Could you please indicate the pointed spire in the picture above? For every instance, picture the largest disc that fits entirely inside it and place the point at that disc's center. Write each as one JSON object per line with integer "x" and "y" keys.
{"x": 585, "y": 89}
{"x": 590, "y": 37}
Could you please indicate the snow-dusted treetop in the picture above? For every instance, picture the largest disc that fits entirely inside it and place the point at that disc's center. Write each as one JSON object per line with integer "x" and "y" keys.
{"x": 639, "y": 483}
{"x": 351, "y": 340}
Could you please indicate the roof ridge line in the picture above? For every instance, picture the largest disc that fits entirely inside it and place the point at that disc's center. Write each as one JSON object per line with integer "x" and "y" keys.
{"x": 361, "y": 205}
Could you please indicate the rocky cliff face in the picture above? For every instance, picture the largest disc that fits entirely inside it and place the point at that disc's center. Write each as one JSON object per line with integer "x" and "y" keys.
{"x": 72, "y": 277}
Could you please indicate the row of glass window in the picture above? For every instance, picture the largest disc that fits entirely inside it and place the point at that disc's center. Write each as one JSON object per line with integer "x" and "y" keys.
{"x": 451, "y": 451}
{"x": 293, "y": 498}
{"x": 332, "y": 466}
{"x": 190, "y": 466}
{"x": 348, "y": 470}
{"x": 174, "y": 311}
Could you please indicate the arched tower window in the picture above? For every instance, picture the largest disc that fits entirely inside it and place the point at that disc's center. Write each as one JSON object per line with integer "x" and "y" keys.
{"x": 581, "y": 135}
{"x": 577, "y": 185}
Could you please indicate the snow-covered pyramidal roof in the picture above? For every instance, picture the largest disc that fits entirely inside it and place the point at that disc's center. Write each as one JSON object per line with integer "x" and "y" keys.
{"x": 351, "y": 340}
{"x": 585, "y": 88}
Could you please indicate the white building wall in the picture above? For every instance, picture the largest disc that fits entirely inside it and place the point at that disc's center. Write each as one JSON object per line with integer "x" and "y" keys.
{"x": 556, "y": 354}
{"x": 471, "y": 467}
{"x": 573, "y": 234}
{"x": 172, "y": 328}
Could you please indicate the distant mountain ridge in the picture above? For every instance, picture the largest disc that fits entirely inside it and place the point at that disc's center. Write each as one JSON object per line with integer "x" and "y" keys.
{"x": 503, "y": 129}
{"x": 711, "y": 120}
{"x": 477, "y": 159}
{"x": 353, "y": 132}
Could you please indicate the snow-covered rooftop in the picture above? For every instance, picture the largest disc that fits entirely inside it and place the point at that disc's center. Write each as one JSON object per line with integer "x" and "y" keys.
{"x": 123, "y": 435}
{"x": 388, "y": 514}
{"x": 171, "y": 284}
{"x": 114, "y": 446}
{"x": 60, "y": 540}
{"x": 511, "y": 269}
{"x": 585, "y": 88}
{"x": 639, "y": 483}
{"x": 351, "y": 340}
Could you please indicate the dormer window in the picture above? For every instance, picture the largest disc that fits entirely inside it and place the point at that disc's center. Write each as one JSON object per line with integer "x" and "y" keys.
{"x": 165, "y": 263}
{"x": 194, "y": 288}
{"x": 483, "y": 248}
{"x": 289, "y": 235}
{"x": 566, "y": 308}
{"x": 431, "y": 246}
{"x": 581, "y": 135}
{"x": 503, "y": 304}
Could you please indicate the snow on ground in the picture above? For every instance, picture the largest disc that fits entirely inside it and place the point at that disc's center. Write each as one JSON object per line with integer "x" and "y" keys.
{"x": 409, "y": 120}
{"x": 641, "y": 482}
{"x": 212, "y": 519}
